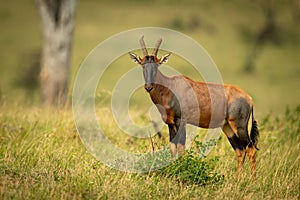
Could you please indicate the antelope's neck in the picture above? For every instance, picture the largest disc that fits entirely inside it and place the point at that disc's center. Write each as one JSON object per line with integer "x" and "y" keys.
{"x": 161, "y": 79}
{"x": 161, "y": 92}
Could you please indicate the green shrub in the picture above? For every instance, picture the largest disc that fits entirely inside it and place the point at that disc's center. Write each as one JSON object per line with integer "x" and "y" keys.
{"x": 192, "y": 168}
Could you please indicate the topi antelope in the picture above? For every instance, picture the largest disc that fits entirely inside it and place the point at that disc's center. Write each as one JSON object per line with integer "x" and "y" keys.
{"x": 181, "y": 100}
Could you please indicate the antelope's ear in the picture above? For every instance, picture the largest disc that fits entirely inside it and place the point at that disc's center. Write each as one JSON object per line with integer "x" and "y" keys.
{"x": 135, "y": 58}
{"x": 164, "y": 58}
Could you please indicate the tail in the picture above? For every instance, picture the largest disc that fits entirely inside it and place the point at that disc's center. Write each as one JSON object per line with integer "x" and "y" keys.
{"x": 254, "y": 134}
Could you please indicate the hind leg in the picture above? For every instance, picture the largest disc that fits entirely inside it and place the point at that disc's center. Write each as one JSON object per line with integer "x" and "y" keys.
{"x": 236, "y": 145}
{"x": 240, "y": 128}
{"x": 238, "y": 117}
{"x": 250, "y": 149}
{"x": 251, "y": 152}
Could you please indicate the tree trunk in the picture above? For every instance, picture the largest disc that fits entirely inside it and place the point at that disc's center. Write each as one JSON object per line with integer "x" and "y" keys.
{"x": 57, "y": 17}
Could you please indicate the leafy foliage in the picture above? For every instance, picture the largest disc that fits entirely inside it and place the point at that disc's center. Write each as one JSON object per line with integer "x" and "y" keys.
{"x": 191, "y": 168}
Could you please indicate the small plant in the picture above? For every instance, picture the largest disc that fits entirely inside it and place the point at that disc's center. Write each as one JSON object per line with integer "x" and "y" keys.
{"x": 192, "y": 168}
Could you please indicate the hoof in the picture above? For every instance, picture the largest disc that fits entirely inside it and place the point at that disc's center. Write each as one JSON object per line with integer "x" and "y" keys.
{"x": 173, "y": 149}
{"x": 180, "y": 149}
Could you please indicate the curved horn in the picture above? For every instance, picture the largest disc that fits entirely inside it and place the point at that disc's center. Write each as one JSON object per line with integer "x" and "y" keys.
{"x": 143, "y": 46}
{"x": 154, "y": 53}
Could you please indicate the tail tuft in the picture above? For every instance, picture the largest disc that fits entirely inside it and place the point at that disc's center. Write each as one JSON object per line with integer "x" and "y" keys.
{"x": 254, "y": 134}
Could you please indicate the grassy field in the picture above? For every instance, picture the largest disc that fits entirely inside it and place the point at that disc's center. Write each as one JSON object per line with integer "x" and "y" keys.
{"x": 42, "y": 156}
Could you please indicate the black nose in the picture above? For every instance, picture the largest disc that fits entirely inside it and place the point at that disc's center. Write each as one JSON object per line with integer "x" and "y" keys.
{"x": 149, "y": 86}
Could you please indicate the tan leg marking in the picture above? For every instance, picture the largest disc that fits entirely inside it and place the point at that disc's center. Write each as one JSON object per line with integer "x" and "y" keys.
{"x": 251, "y": 151}
{"x": 228, "y": 131}
{"x": 241, "y": 154}
{"x": 233, "y": 127}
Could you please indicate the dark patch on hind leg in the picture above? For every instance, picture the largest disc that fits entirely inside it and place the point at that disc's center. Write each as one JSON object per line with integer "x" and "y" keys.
{"x": 231, "y": 132}
{"x": 236, "y": 143}
{"x": 244, "y": 137}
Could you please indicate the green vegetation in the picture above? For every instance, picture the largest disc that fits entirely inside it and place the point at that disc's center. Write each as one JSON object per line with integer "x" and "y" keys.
{"x": 42, "y": 156}
{"x": 192, "y": 169}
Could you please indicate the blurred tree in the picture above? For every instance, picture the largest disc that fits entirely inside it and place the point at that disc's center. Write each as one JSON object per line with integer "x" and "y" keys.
{"x": 268, "y": 32}
{"x": 57, "y": 19}
{"x": 295, "y": 6}
{"x": 272, "y": 31}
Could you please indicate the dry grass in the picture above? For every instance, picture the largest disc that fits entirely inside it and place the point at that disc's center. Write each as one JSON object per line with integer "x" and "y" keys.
{"x": 42, "y": 157}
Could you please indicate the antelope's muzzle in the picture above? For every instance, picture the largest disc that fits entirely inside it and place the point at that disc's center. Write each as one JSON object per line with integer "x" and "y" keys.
{"x": 149, "y": 86}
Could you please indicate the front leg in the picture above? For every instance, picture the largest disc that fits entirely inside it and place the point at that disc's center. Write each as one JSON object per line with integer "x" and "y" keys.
{"x": 177, "y": 137}
{"x": 181, "y": 135}
{"x": 173, "y": 138}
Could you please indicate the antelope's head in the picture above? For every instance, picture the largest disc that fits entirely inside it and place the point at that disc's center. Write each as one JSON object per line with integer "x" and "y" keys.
{"x": 149, "y": 63}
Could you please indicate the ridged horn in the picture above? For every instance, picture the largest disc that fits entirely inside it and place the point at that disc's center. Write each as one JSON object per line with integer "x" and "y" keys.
{"x": 154, "y": 53}
{"x": 143, "y": 46}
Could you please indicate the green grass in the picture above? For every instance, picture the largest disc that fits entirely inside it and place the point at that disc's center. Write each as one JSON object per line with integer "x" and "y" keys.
{"x": 41, "y": 157}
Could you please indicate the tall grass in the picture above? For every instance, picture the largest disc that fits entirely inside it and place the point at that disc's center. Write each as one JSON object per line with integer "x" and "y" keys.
{"x": 41, "y": 157}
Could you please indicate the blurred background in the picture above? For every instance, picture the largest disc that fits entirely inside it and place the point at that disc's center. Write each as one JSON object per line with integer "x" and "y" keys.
{"x": 255, "y": 44}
